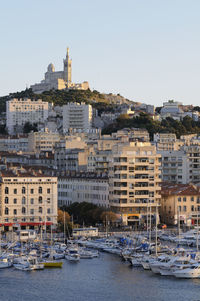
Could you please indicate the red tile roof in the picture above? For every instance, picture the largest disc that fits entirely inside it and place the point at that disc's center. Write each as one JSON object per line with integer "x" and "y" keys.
{"x": 179, "y": 189}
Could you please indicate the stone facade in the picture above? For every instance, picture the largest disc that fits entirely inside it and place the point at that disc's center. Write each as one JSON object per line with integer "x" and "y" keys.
{"x": 59, "y": 80}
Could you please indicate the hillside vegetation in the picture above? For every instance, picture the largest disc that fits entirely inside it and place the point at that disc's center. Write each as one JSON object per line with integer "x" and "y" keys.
{"x": 168, "y": 125}
{"x": 101, "y": 102}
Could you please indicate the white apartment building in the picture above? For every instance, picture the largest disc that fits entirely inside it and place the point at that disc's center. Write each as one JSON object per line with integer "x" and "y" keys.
{"x": 27, "y": 198}
{"x": 181, "y": 166}
{"x": 175, "y": 166}
{"x": 134, "y": 180}
{"x": 20, "y": 111}
{"x": 77, "y": 116}
{"x": 83, "y": 187}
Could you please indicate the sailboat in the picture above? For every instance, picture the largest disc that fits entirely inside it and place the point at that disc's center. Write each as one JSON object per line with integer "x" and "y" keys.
{"x": 50, "y": 262}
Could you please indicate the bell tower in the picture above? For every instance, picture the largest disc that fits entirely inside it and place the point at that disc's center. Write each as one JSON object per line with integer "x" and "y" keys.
{"x": 67, "y": 69}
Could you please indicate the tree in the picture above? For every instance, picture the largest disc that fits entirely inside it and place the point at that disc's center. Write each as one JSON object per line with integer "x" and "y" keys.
{"x": 28, "y": 127}
{"x": 109, "y": 216}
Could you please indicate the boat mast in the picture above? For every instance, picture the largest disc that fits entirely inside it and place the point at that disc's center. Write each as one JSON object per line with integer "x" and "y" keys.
{"x": 147, "y": 219}
{"x": 178, "y": 226}
{"x": 156, "y": 228}
{"x": 0, "y": 239}
{"x": 197, "y": 241}
{"x": 150, "y": 226}
{"x": 64, "y": 227}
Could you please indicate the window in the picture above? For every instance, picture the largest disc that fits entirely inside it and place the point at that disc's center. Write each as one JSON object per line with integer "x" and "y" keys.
{"x": 6, "y": 190}
{"x": 23, "y": 210}
{"x": 40, "y": 190}
{"x": 14, "y": 201}
{"x": 23, "y": 200}
{"x": 179, "y": 199}
{"x": 6, "y": 200}
{"x": 40, "y": 209}
{"x": 48, "y": 210}
{"x": 32, "y": 191}
{"x": 32, "y": 201}
{"x": 23, "y": 190}
{"x": 184, "y": 199}
{"x": 184, "y": 208}
{"x": 6, "y": 211}
{"x": 40, "y": 200}
{"x": 179, "y": 208}
{"x": 15, "y": 191}
{"x": 192, "y": 208}
{"x": 15, "y": 211}
{"x": 32, "y": 211}
{"x": 192, "y": 199}
{"x": 48, "y": 190}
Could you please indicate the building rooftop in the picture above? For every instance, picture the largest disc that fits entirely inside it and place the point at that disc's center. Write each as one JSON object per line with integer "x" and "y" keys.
{"x": 179, "y": 189}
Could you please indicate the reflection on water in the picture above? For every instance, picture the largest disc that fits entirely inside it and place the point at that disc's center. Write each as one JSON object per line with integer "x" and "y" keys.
{"x": 104, "y": 278}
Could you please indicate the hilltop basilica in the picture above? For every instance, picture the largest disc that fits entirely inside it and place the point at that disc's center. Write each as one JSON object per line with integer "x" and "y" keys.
{"x": 59, "y": 80}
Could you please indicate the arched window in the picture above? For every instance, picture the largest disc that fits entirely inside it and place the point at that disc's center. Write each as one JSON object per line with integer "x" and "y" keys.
{"x": 23, "y": 210}
{"x": 40, "y": 209}
{"x": 6, "y": 200}
{"x": 6, "y": 190}
{"x": 40, "y": 189}
{"x": 6, "y": 211}
{"x": 23, "y": 190}
{"x": 40, "y": 200}
{"x": 23, "y": 200}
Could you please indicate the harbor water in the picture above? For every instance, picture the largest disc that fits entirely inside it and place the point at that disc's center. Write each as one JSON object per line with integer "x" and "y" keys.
{"x": 104, "y": 278}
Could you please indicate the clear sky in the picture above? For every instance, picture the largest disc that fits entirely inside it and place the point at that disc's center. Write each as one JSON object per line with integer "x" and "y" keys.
{"x": 146, "y": 50}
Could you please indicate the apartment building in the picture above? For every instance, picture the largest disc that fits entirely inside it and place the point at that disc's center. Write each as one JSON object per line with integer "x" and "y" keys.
{"x": 42, "y": 141}
{"x": 165, "y": 141}
{"x": 20, "y": 111}
{"x": 71, "y": 154}
{"x": 83, "y": 187}
{"x": 193, "y": 153}
{"x": 175, "y": 166}
{"x": 14, "y": 143}
{"x": 27, "y": 198}
{"x": 77, "y": 116}
{"x": 134, "y": 180}
{"x": 183, "y": 165}
{"x": 180, "y": 203}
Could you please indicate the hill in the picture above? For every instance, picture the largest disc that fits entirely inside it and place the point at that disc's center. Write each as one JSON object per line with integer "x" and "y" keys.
{"x": 100, "y": 101}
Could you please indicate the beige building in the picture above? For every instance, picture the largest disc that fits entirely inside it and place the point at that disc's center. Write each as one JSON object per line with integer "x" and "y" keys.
{"x": 27, "y": 198}
{"x": 180, "y": 202}
{"x": 134, "y": 179}
{"x": 42, "y": 141}
{"x": 21, "y": 111}
{"x": 71, "y": 154}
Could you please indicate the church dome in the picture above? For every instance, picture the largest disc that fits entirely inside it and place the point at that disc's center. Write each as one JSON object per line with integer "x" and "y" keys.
{"x": 51, "y": 68}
